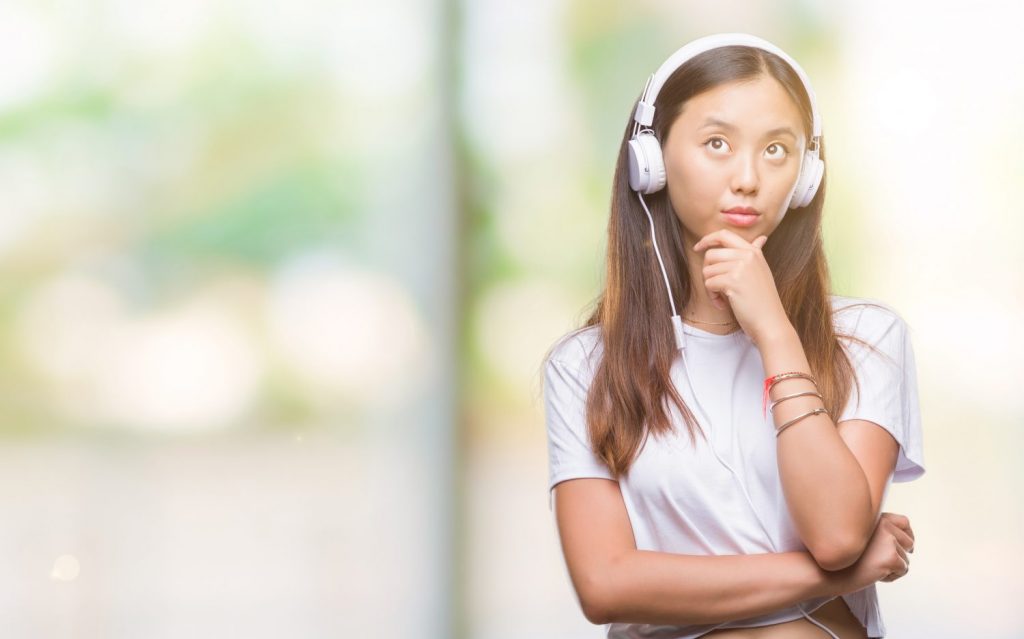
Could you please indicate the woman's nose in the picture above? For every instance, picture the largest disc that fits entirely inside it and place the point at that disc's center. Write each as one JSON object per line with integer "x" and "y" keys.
{"x": 745, "y": 174}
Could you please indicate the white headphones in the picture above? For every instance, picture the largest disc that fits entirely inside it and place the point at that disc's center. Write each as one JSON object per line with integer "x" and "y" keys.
{"x": 646, "y": 163}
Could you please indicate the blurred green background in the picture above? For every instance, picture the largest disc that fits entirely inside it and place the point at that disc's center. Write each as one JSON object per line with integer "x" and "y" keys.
{"x": 276, "y": 281}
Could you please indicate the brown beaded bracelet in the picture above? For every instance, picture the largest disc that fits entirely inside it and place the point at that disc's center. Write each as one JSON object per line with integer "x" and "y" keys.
{"x": 770, "y": 382}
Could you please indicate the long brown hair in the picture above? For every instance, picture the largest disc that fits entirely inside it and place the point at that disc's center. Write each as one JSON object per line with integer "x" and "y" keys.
{"x": 626, "y": 400}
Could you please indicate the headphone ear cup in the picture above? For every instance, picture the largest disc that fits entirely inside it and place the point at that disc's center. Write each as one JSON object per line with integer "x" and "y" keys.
{"x": 807, "y": 183}
{"x": 646, "y": 164}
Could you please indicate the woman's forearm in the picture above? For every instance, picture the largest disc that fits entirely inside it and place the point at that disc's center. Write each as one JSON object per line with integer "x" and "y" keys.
{"x": 825, "y": 487}
{"x": 643, "y": 586}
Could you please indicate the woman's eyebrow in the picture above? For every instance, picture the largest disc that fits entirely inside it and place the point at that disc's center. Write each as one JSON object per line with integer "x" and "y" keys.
{"x": 729, "y": 127}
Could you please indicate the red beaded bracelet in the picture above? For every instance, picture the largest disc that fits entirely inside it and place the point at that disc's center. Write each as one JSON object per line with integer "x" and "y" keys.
{"x": 771, "y": 381}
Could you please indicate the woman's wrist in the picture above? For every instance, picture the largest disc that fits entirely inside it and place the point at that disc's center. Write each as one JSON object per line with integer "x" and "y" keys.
{"x": 778, "y": 332}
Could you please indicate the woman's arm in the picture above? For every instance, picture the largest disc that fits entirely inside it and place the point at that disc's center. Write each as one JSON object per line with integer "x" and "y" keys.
{"x": 615, "y": 582}
{"x": 664, "y": 588}
{"x": 829, "y": 496}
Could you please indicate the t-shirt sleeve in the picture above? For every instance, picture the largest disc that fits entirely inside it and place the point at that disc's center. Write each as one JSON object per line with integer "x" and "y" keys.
{"x": 888, "y": 387}
{"x": 565, "y": 400}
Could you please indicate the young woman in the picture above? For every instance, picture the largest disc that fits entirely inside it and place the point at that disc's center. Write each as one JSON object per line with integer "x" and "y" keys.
{"x": 718, "y": 469}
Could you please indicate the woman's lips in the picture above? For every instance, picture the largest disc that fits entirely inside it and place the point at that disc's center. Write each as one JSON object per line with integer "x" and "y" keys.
{"x": 740, "y": 219}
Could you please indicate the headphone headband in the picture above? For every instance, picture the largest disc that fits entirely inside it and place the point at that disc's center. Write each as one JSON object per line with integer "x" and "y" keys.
{"x": 645, "y": 107}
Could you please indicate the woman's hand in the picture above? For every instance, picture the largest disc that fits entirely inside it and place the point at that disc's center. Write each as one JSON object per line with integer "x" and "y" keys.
{"x": 736, "y": 273}
{"x": 884, "y": 558}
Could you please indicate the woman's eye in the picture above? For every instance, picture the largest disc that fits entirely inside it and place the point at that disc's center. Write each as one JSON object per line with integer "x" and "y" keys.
{"x": 776, "y": 150}
{"x": 716, "y": 148}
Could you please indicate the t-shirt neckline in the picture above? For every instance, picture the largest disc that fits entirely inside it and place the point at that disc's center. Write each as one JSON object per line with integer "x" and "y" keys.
{"x": 700, "y": 332}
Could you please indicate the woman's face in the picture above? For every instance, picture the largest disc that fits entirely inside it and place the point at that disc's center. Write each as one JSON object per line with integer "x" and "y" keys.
{"x": 737, "y": 145}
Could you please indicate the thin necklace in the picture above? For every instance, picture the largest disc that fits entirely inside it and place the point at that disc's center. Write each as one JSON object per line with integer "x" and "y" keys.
{"x": 713, "y": 323}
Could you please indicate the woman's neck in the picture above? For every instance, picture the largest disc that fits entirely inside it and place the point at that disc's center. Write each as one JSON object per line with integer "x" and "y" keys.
{"x": 710, "y": 318}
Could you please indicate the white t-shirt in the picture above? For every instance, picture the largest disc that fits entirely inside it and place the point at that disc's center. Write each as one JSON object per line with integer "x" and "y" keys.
{"x": 683, "y": 498}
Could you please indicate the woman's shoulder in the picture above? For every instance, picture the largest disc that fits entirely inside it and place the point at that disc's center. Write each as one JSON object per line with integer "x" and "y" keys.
{"x": 849, "y": 310}
{"x": 868, "y": 319}
{"x": 578, "y": 348}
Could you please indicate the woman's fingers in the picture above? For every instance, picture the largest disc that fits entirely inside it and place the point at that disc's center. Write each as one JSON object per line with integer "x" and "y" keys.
{"x": 900, "y": 521}
{"x": 903, "y": 555}
{"x": 719, "y": 255}
{"x": 718, "y": 268}
{"x": 899, "y": 538}
{"x": 904, "y": 539}
{"x": 901, "y": 551}
{"x": 721, "y": 237}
